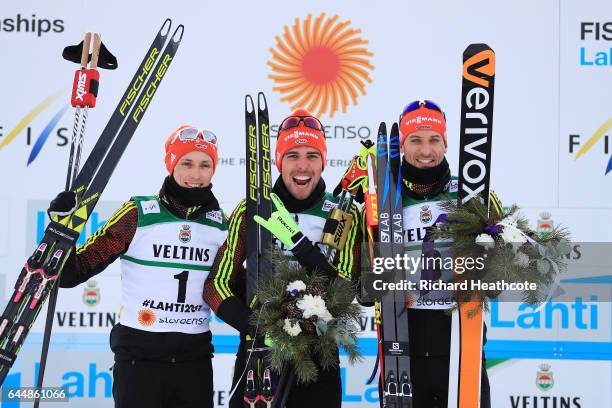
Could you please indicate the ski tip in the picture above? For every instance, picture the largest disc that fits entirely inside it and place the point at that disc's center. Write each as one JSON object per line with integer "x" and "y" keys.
{"x": 477, "y": 47}
{"x": 395, "y": 130}
{"x": 249, "y": 106}
{"x": 179, "y": 31}
{"x": 382, "y": 128}
{"x": 166, "y": 30}
{"x": 262, "y": 104}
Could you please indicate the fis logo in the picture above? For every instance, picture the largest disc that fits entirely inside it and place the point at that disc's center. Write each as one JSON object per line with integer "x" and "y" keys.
{"x": 23, "y": 127}
{"x": 600, "y": 133}
{"x": 593, "y": 54}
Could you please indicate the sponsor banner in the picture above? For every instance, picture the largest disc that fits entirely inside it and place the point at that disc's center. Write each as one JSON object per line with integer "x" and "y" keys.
{"x": 92, "y": 307}
{"x": 554, "y": 321}
{"x": 550, "y": 383}
{"x": 4, "y": 227}
{"x": 585, "y": 224}
{"x": 585, "y": 62}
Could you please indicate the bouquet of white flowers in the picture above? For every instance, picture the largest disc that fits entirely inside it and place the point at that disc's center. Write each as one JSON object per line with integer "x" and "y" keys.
{"x": 512, "y": 252}
{"x": 306, "y": 317}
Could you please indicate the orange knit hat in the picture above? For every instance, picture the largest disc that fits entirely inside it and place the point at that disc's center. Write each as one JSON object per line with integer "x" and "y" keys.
{"x": 306, "y": 130}
{"x": 187, "y": 139}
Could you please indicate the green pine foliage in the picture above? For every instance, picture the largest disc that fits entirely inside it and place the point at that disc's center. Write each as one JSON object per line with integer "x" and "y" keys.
{"x": 467, "y": 221}
{"x": 317, "y": 344}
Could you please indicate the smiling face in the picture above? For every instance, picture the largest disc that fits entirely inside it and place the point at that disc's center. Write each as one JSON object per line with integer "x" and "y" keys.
{"x": 301, "y": 171}
{"x": 195, "y": 169}
{"x": 424, "y": 149}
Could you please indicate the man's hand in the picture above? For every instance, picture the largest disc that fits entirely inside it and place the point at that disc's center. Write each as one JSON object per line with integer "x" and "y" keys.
{"x": 64, "y": 204}
{"x": 355, "y": 179}
{"x": 281, "y": 224}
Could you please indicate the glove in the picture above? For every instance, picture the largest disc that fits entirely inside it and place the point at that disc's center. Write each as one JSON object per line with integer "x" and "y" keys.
{"x": 281, "y": 224}
{"x": 64, "y": 204}
{"x": 355, "y": 179}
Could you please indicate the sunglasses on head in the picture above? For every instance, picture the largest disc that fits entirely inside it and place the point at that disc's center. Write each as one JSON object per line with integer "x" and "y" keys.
{"x": 308, "y": 121}
{"x": 417, "y": 104}
{"x": 192, "y": 133}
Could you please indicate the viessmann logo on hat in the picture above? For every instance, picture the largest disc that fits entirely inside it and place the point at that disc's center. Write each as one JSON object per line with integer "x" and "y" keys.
{"x": 321, "y": 63}
{"x": 423, "y": 121}
{"x": 299, "y": 134}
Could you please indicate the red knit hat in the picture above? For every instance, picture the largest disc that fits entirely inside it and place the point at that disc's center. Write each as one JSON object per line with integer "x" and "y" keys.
{"x": 187, "y": 139}
{"x": 422, "y": 118}
{"x": 301, "y": 135}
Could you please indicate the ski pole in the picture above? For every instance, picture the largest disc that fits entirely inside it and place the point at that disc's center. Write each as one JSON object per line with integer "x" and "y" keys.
{"x": 85, "y": 84}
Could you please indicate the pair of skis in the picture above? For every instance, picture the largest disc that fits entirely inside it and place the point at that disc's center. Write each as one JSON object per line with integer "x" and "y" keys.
{"x": 42, "y": 270}
{"x": 393, "y": 335}
{"x": 258, "y": 390}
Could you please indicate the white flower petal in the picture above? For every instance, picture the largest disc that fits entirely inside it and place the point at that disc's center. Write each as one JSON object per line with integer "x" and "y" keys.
{"x": 292, "y": 328}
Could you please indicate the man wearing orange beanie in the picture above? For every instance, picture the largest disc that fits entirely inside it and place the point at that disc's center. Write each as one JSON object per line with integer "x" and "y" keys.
{"x": 166, "y": 243}
{"x": 300, "y": 208}
{"x": 427, "y": 182}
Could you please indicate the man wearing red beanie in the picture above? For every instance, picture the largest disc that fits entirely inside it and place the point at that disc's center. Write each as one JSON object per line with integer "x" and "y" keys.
{"x": 166, "y": 243}
{"x": 427, "y": 182}
{"x": 301, "y": 207}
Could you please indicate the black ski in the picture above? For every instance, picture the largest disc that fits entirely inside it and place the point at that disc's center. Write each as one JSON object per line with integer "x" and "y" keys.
{"x": 396, "y": 387}
{"x": 43, "y": 268}
{"x": 474, "y": 179}
{"x": 258, "y": 388}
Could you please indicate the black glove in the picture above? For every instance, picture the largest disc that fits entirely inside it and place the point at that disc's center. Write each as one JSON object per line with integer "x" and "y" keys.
{"x": 64, "y": 204}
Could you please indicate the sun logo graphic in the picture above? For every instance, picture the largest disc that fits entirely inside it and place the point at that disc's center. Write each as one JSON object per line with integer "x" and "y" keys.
{"x": 44, "y": 135}
{"x": 146, "y": 317}
{"x": 599, "y": 133}
{"x": 321, "y": 65}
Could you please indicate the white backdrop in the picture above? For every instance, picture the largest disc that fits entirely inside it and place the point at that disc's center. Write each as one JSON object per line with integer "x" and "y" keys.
{"x": 546, "y": 91}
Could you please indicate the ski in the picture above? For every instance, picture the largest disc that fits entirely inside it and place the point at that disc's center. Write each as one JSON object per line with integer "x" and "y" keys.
{"x": 474, "y": 179}
{"x": 258, "y": 390}
{"x": 43, "y": 268}
{"x": 394, "y": 342}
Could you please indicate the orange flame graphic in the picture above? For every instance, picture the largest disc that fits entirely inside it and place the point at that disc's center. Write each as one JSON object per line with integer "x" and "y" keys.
{"x": 319, "y": 65}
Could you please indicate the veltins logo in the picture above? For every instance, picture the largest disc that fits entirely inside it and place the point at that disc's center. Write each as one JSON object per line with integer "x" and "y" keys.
{"x": 425, "y": 215}
{"x": 91, "y": 293}
{"x": 25, "y": 122}
{"x": 545, "y": 224}
{"x": 320, "y": 64}
{"x": 544, "y": 378}
{"x": 600, "y": 133}
{"x": 185, "y": 234}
